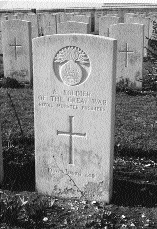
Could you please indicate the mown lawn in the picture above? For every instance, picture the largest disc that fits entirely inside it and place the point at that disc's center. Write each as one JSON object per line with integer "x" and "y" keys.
{"x": 134, "y": 202}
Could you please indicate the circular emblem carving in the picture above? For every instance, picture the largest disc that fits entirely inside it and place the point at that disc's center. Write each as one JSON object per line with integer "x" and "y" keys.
{"x": 71, "y": 65}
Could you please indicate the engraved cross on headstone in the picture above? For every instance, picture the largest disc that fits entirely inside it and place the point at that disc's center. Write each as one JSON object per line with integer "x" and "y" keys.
{"x": 15, "y": 45}
{"x": 70, "y": 133}
{"x": 126, "y": 51}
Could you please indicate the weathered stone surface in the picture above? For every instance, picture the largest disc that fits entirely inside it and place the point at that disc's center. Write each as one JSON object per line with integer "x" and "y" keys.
{"x": 73, "y": 27}
{"x": 98, "y": 14}
{"x": 63, "y": 17}
{"x": 104, "y": 24}
{"x": 17, "y": 50}
{"x": 146, "y": 23}
{"x": 74, "y": 95}
{"x": 34, "y": 23}
{"x": 128, "y": 15}
{"x": 47, "y": 23}
{"x": 83, "y": 18}
{"x": 130, "y": 52}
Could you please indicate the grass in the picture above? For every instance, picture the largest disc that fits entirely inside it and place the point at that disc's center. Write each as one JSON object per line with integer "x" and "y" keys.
{"x": 135, "y": 125}
{"x": 135, "y": 170}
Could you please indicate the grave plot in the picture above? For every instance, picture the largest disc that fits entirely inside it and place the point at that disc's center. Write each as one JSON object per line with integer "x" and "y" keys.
{"x": 130, "y": 53}
{"x": 146, "y": 23}
{"x": 74, "y": 121}
{"x": 17, "y": 50}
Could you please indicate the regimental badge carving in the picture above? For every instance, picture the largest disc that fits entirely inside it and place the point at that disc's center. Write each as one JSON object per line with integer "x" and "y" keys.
{"x": 71, "y": 65}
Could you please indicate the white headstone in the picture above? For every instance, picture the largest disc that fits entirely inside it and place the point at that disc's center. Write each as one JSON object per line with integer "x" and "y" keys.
{"x": 17, "y": 50}
{"x": 104, "y": 24}
{"x": 1, "y": 157}
{"x": 128, "y": 15}
{"x": 98, "y": 14}
{"x": 130, "y": 38}
{"x": 34, "y": 23}
{"x": 47, "y": 24}
{"x": 146, "y": 23}
{"x": 66, "y": 17}
{"x": 83, "y": 18}
{"x": 73, "y": 27}
{"x": 74, "y": 94}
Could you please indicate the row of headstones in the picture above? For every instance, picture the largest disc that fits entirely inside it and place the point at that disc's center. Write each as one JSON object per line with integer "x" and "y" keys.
{"x": 48, "y": 24}
{"x": 74, "y": 111}
{"x": 21, "y": 68}
{"x": 17, "y": 51}
{"x": 148, "y": 22}
{"x": 74, "y": 92}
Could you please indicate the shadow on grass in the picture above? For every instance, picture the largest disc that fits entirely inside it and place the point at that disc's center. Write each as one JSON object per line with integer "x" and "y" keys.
{"x": 19, "y": 177}
{"x": 126, "y": 191}
{"x": 135, "y": 152}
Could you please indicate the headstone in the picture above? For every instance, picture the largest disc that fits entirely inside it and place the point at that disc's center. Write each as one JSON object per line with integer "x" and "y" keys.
{"x": 47, "y": 24}
{"x": 83, "y": 18}
{"x": 17, "y": 50}
{"x": 64, "y": 17}
{"x": 74, "y": 94}
{"x": 1, "y": 157}
{"x": 20, "y": 16}
{"x": 40, "y": 20}
{"x": 34, "y": 23}
{"x": 130, "y": 39}
{"x": 104, "y": 24}
{"x": 128, "y": 15}
{"x": 98, "y": 14}
{"x": 72, "y": 27}
{"x": 146, "y": 23}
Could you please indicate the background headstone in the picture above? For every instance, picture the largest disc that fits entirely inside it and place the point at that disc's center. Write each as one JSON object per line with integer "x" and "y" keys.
{"x": 130, "y": 38}
{"x": 146, "y": 23}
{"x": 17, "y": 50}
{"x": 128, "y": 15}
{"x": 98, "y": 14}
{"x": 104, "y": 24}
{"x": 34, "y": 23}
{"x": 83, "y": 18}
{"x": 72, "y": 27}
{"x": 74, "y": 94}
{"x": 47, "y": 24}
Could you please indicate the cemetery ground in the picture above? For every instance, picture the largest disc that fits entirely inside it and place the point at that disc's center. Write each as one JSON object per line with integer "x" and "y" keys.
{"x": 134, "y": 202}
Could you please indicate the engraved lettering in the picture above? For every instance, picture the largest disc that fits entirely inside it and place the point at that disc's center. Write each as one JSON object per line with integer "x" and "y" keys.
{"x": 56, "y": 98}
{"x": 41, "y": 97}
{"x": 77, "y": 100}
{"x": 67, "y": 106}
{"x": 77, "y": 93}
{"x": 99, "y": 102}
{"x": 44, "y": 104}
{"x": 90, "y": 108}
